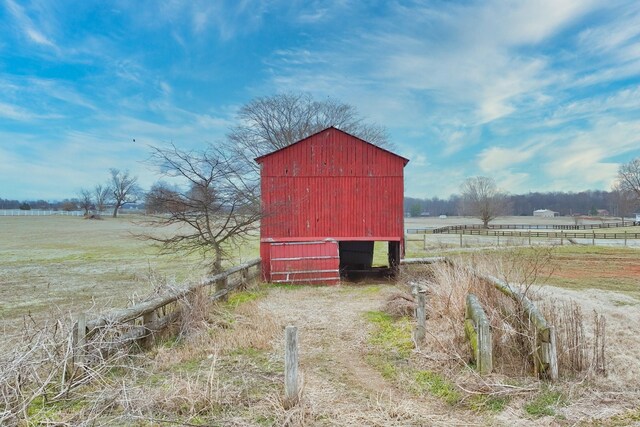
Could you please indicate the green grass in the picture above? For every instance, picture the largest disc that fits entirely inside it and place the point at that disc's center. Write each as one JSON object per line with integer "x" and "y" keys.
{"x": 237, "y": 298}
{"x": 391, "y": 335}
{"x": 545, "y": 403}
{"x": 485, "y": 403}
{"x": 437, "y": 385}
{"x": 392, "y": 349}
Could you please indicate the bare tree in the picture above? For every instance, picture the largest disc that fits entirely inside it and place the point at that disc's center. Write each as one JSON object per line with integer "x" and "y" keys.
{"x": 273, "y": 122}
{"x": 629, "y": 177}
{"x": 210, "y": 199}
{"x": 85, "y": 200}
{"x": 482, "y": 199}
{"x": 101, "y": 194}
{"x": 124, "y": 189}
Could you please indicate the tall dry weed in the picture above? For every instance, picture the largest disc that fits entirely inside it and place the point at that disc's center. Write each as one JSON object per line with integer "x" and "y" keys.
{"x": 514, "y": 335}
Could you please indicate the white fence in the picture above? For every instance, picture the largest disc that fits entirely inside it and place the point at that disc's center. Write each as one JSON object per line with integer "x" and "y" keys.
{"x": 38, "y": 212}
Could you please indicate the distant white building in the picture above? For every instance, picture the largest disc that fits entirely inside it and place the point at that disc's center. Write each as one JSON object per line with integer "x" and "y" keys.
{"x": 545, "y": 213}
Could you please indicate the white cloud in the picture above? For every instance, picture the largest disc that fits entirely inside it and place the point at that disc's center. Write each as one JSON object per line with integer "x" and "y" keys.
{"x": 497, "y": 158}
{"x": 14, "y": 112}
{"x": 27, "y": 26}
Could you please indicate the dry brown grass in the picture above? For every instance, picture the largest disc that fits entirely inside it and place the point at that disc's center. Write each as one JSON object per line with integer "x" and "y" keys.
{"x": 597, "y": 375}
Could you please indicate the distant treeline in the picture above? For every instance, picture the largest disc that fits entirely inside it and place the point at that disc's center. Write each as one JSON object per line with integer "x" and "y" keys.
{"x": 591, "y": 202}
{"x": 582, "y": 203}
{"x": 67, "y": 204}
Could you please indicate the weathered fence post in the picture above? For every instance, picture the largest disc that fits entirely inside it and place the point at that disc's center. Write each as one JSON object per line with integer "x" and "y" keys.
{"x": 625, "y": 238}
{"x": 291, "y": 392}
{"x": 75, "y": 354}
{"x": 220, "y": 285}
{"x": 561, "y": 237}
{"x": 421, "y": 316}
{"x": 460, "y": 238}
{"x": 147, "y": 320}
{"x": 478, "y": 332}
{"x": 593, "y": 238}
{"x": 80, "y": 338}
{"x": 529, "y": 237}
{"x": 245, "y": 278}
{"x": 553, "y": 355}
{"x": 545, "y": 351}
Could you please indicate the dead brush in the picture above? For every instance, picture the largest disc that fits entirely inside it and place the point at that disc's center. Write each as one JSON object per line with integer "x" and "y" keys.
{"x": 400, "y": 304}
{"x": 195, "y": 311}
{"x": 44, "y": 369}
{"x": 579, "y": 353}
{"x": 514, "y": 336}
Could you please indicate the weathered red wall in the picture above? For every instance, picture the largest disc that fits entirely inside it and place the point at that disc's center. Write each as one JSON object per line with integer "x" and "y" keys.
{"x": 331, "y": 185}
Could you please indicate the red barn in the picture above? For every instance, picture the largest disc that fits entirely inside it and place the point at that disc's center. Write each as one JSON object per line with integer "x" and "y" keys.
{"x": 326, "y": 200}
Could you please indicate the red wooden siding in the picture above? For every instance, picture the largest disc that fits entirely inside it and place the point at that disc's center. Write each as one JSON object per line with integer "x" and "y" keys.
{"x": 330, "y": 185}
{"x": 305, "y": 262}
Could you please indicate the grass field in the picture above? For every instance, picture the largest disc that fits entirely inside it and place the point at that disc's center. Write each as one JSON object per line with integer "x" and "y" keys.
{"x": 358, "y": 363}
{"x": 68, "y": 264}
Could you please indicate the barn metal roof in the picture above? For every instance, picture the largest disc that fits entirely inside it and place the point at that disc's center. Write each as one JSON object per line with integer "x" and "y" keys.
{"x": 261, "y": 158}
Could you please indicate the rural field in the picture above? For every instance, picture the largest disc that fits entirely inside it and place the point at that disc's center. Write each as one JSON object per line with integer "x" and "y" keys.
{"x": 63, "y": 265}
{"x": 357, "y": 357}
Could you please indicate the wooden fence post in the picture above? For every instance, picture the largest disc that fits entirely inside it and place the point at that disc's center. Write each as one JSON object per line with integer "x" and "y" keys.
{"x": 147, "y": 320}
{"x": 593, "y": 238}
{"x": 291, "y": 391}
{"x": 245, "y": 278}
{"x": 625, "y": 237}
{"x": 529, "y": 237}
{"x": 561, "y": 237}
{"x": 460, "y": 238}
{"x": 220, "y": 285}
{"x": 479, "y": 333}
{"x": 80, "y": 338}
{"x": 553, "y": 355}
{"x": 421, "y": 316}
{"x": 75, "y": 355}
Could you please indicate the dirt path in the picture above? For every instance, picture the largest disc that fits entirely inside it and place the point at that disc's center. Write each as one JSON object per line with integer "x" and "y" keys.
{"x": 340, "y": 387}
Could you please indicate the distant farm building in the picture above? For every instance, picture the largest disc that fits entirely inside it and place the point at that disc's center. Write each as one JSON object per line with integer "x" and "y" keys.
{"x": 326, "y": 200}
{"x": 545, "y": 213}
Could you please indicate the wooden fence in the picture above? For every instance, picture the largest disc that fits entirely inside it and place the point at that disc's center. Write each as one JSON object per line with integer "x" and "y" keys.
{"x": 478, "y": 330}
{"x": 145, "y": 319}
{"x": 456, "y": 229}
{"x": 550, "y": 234}
{"x": 476, "y": 327}
{"x": 546, "y": 356}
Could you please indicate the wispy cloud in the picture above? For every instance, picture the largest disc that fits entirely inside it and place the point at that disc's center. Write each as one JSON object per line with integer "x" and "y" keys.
{"x": 27, "y": 27}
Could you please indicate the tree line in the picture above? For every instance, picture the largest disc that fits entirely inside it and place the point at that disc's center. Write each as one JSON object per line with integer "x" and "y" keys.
{"x": 587, "y": 202}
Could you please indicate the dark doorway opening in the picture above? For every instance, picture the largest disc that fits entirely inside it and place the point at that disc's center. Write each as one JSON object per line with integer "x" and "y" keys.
{"x": 357, "y": 260}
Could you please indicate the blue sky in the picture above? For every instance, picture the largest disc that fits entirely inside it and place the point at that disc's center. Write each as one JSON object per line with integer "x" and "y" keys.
{"x": 540, "y": 95}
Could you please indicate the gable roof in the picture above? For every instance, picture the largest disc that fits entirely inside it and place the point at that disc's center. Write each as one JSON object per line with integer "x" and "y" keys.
{"x": 261, "y": 158}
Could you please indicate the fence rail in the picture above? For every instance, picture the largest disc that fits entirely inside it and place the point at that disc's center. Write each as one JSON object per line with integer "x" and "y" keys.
{"x": 38, "y": 212}
{"x": 546, "y": 355}
{"x": 550, "y": 234}
{"x": 456, "y": 229}
{"x": 149, "y": 311}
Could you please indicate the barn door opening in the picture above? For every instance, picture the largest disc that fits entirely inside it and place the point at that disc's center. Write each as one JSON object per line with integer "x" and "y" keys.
{"x": 356, "y": 256}
{"x": 358, "y": 259}
{"x": 305, "y": 262}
